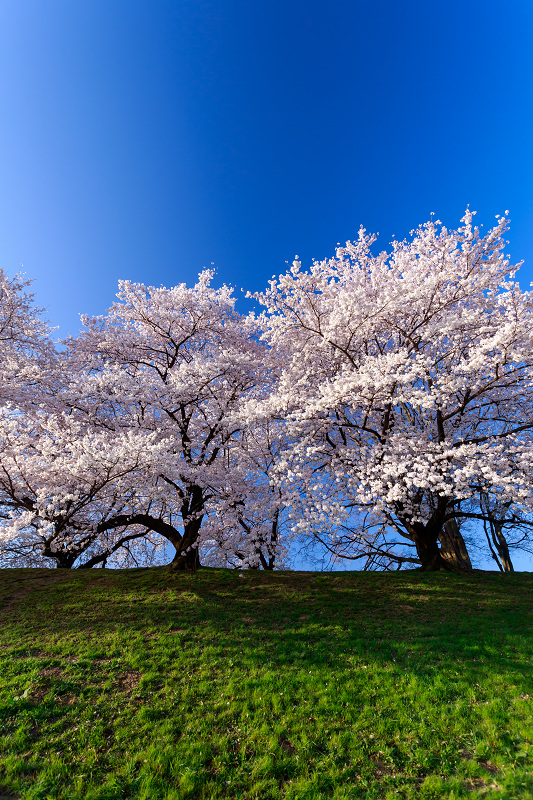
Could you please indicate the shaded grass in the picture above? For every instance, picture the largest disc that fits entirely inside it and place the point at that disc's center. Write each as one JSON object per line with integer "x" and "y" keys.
{"x": 148, "y": 685}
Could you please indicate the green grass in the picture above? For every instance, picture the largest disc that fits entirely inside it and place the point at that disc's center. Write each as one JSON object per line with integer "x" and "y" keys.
{"x": 143, "y": 684}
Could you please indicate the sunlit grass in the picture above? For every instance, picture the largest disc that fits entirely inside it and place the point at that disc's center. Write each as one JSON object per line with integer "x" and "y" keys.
{"x": 144, "y": 684}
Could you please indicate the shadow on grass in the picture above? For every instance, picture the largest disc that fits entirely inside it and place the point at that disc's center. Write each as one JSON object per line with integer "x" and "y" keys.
{"x": 305, "y": 619}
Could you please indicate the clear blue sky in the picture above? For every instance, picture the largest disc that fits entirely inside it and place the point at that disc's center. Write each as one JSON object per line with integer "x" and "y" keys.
{"x": 145, "y": 140}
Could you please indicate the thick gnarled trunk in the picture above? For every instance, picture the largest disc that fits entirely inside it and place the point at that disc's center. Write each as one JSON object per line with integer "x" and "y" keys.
{"x": 452, "y": 555}
{"x": 186, "y": 561}
{"x": 426, "y": 539}
{"x": 64, "y": 560}
{"x": 431, "y": 559}
{"x": 453, "y": 547}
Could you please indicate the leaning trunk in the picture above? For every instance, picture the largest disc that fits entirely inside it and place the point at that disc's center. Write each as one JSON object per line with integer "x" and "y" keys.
{"x": 502, "y": 547}
{"x": 453, "y": 547}
{"x": 503, "y": 557}
{"x": 496, "y": 539}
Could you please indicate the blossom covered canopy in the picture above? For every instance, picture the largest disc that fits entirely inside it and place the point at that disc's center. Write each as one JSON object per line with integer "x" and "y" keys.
{"x": 376, "y": 394}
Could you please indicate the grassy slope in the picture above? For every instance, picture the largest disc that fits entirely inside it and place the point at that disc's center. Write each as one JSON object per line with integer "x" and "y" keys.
{"x": 141, "y": 684}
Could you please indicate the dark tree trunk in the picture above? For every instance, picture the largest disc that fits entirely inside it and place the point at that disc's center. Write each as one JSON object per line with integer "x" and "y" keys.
{"x": 63, "y": 560}
{"x": 496, "y": 537}
{"x": 500, "y": 542}
{"x": 453, "y": 547}
{"x": 186, "y": 561}
{"x": 187, "y": 556}
{"x": 501, "y": 554}
{"x": 192, "y": 518}
{"x": 425, "y": 538}
{"x": 453, "y": 555}
{"x": 269, "y": 562}
{"x": 430, "y": 556}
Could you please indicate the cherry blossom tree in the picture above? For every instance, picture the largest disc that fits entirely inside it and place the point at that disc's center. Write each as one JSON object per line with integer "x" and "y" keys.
{"x": 139, "y": 437}
{"x": 407, "y": 384}
{"x": 181, "y": 364}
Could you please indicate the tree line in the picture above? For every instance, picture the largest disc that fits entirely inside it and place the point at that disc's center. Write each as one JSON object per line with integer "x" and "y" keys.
{"x": 379, "y": 407}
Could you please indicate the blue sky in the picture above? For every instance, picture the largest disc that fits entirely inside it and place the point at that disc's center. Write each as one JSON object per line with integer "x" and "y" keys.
{"x": 147, "y": 140}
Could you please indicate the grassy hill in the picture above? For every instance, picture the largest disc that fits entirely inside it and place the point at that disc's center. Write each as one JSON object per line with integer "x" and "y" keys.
{"x": 220, "y": 684}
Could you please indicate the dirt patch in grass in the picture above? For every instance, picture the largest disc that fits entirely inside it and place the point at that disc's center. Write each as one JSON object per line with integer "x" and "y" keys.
{"x": 51, "y": 672}
{"x": 488, "y": 766}
{"x": 128, "y": 681}
{"x": 381, "y": 767}
{"x": 479, "y": 784}
{"x": 287, "y": 746}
